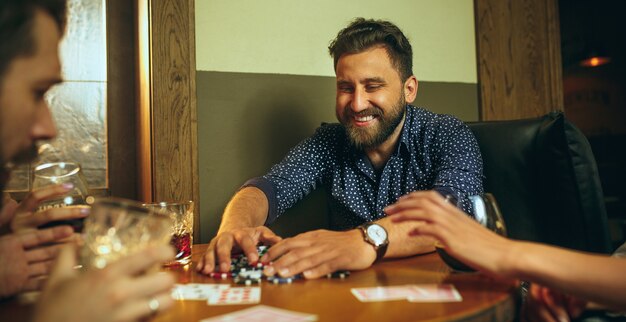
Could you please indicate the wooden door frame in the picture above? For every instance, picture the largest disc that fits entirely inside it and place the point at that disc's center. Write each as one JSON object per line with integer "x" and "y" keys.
{"x": 167, "y": 148}
{"x": 518, "y": 53}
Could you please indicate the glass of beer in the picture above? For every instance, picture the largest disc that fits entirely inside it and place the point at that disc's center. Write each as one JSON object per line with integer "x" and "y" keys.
{"x": 118, "y": 227}
{"x": 54, "y": 173}
{"x": 182, "y": 229}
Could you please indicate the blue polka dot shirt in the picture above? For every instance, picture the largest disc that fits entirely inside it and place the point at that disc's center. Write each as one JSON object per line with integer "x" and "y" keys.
{"x": 435, "y": 152}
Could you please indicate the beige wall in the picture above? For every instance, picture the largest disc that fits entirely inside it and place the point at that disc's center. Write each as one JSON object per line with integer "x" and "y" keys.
{"x": 265, "y": 81}
{"x": 291, "y": 36}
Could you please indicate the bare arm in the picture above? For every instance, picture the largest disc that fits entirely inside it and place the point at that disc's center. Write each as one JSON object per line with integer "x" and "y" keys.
{"x": 247, "y": 208}
{"x": 597, "y": 278}
{"x": 241, "y": 227}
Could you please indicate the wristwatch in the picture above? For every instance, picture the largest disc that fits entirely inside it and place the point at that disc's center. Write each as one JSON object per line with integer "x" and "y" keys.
{"x": 376, "y": 235}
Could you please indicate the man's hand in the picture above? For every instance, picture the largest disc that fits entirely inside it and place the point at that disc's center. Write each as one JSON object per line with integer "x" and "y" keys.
{"x": 125, "y": 290}
{"x": 317, "y": 253}
{"x": 25, "y": 258}
{"x": 25, "y": 217}
{"x": 544, "y": 304}
{"x": 244, "y": 239}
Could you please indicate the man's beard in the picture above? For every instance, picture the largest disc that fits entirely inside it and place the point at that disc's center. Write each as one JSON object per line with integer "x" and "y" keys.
{"x": 365, "y": 138}
{"x": 24, "y": 156}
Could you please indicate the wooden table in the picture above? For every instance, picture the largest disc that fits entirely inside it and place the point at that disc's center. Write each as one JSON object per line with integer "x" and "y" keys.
{"x": 484, "y": 299}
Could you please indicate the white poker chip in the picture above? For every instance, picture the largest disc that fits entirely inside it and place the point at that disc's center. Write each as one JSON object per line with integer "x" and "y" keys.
{"x": 250, "y": 274}
{"x": 280, "y": 280}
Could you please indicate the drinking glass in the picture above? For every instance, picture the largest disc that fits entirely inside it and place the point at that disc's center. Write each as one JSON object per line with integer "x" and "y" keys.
{"x": 54, "y": 173}
{"x": 181, "y": 230}
{"x": 486, "y": 211}
{"x": 118, "y": 227}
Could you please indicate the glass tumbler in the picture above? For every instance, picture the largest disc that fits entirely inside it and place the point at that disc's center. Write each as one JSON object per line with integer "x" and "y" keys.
{"x": 54, "y": 173}
{"x": 118, "y": 227}
{"x": 182, "y": 228}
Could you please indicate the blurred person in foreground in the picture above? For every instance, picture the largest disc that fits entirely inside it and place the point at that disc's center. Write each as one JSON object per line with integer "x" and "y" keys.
{"x": 564, "y": 281}
{"x": 30, "y": 31}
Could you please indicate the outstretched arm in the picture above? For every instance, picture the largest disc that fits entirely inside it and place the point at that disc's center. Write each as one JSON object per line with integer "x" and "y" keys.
{"x": 242, "y": 227}
{"x": 593, "y": 277}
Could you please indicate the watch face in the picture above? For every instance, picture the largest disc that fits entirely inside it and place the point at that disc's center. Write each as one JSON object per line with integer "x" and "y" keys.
{"x": 377, "y": 234}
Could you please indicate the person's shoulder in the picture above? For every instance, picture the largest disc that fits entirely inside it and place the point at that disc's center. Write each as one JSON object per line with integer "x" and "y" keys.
{"x": 328, "y": 135}
{"x": 433, "y": 120}
{"x": 330, "y": 130}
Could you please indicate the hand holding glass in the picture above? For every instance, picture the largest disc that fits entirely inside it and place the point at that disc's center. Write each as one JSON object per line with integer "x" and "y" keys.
{"x": 487, "y": 213}
{"x": 55, "y": 173}
{"x": 119, "y": 227}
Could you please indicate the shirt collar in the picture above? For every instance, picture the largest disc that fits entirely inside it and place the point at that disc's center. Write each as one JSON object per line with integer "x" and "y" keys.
{"x": 405, "y": 134}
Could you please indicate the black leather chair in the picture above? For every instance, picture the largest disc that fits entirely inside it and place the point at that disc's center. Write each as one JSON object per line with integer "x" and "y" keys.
{"x": 544, "y": 177}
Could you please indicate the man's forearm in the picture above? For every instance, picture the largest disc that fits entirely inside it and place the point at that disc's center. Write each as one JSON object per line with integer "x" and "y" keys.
{"x": 400, "y": 243}
{"x": 247, "y": 208}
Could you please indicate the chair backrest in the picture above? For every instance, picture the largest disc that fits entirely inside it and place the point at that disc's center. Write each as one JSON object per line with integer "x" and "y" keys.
{"x": 545, "y": 180}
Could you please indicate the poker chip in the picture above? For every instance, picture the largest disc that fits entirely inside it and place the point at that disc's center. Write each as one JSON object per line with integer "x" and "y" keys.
{"x": 246, "y": 281}
{"x": 281, "y": 280}
{"x": 259, "y": 265}
{"x": 338, "y": 274}
{"x": 249, "y": 273}
{"x": 219, "y": 275}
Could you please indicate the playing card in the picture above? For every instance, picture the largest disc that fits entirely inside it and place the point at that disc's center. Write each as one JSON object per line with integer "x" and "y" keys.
{"x": 383, "y": 293}
{"x": 195, "y": 291}
{"x": 435, "y": 293}
{"x": 262, "y": 313}
{"x": 236, "y": 295}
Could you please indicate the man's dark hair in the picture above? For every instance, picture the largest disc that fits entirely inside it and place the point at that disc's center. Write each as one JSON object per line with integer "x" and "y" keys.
{"x": 363, "y": 34}
{"x": 16, "y": 23}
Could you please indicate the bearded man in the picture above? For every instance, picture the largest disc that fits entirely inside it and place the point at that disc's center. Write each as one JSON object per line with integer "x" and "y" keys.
{"x": 382, "y": 149}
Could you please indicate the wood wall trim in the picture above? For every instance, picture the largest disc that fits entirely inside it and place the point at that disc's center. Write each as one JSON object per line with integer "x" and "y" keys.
{"x": 172, "y": 108}
{"x": 518, "y": 58}
{"x": 144, "y": 102}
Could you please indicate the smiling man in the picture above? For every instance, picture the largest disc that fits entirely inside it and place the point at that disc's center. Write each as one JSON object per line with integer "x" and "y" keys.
{"x": 382, "y": 149}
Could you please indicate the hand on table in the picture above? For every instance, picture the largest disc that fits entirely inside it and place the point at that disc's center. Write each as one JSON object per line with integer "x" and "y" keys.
{"x": 125, "y": 290}
{"x": 245, "y": 239}
{"x": 25, "y": 217}
{"x": 544, "y": 304}
{"x": 462, "y": 237}
{"x": 317, "y": 253}
{"x": 26, "y": 257}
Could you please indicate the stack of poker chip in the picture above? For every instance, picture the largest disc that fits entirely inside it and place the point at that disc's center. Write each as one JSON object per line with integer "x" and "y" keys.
{"x": 248, "y": 277}
{"x": 249, "y": 273}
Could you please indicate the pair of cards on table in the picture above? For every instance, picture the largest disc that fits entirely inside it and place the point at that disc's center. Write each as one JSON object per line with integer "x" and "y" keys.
{"x": 217, "y": 294}
{"x": 222, "y": 294}
{"x": 411, "y": 293}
